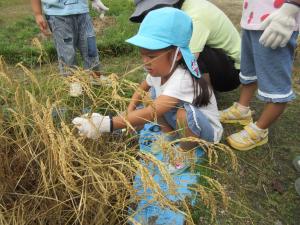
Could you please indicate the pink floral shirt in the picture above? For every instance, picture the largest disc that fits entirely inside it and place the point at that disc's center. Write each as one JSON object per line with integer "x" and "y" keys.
{"x": 256, "y": 11}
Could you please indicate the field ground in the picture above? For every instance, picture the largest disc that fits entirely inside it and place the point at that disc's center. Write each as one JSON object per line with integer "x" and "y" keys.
{"x": 262, "y": 191}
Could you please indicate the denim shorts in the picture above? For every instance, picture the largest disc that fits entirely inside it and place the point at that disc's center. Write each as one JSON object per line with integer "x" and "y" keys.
{"x": 71, "y": 33}
{"x": 270, "y": 68}
{"x": 197, "y": 122}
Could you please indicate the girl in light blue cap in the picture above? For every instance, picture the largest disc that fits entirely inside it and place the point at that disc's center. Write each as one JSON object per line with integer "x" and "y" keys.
{"x": 183, "y": 100}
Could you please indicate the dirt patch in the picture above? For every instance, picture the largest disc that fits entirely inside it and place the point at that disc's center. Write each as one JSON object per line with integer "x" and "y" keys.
{"x": 233, "y": 9}
{"x": 101, "y": 24}
{"x": 12, "y": 13}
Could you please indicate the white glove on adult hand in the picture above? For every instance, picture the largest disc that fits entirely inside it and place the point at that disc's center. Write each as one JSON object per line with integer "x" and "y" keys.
{"x": 279, "y": 26}
{"x": 99, "y": 6}
{"x": 93, "y": 126}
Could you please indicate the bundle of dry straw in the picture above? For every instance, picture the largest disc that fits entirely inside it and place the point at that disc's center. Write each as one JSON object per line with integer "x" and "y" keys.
{"x": 49, "y": 175}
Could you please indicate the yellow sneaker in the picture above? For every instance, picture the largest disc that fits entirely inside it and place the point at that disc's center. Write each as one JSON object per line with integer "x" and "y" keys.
{"x": 234, "y": 115}
{"x": 248, "y": 138}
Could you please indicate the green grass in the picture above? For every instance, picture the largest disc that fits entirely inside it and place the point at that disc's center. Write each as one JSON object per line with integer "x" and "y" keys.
{"x": 16, "y": 46}
{"x": 16, "y": 35}
{"x": 265, "y": 179}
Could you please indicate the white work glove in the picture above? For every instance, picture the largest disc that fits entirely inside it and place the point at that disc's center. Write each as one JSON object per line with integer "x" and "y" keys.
{"x": 93, "y": 126}
{"x": 279, "y": 26}
{"x": 99, "y": 7}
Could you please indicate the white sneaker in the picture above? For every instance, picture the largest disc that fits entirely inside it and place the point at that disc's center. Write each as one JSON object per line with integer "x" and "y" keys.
{"x": 75, "y": 89}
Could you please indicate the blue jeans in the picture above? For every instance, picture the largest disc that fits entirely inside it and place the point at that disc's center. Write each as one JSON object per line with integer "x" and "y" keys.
{"x": 74, "y": 32}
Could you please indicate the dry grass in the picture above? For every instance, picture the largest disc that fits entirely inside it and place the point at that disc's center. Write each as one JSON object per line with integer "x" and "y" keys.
{"x": 49, "y": 175}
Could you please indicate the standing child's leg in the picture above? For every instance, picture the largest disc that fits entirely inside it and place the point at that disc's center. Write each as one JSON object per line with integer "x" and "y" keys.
{"x": 62, "y": 28}
{"x": 271, "y": 111}
{"x": 273, "y": 71}
{"x": 270, "y": 114}
{"x": 65, "y": 39}
{"x": 87, "y": 43}
{"x": 240, "y": 112}
{"x": 247, "y": 92}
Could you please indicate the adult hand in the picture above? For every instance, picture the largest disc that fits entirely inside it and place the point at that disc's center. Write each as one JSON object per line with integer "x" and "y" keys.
{"x": 279, "y": 26}
{"x": 99, "y": 6}
{"x": 41, "y": 22}
{"x": 93, "y": 126}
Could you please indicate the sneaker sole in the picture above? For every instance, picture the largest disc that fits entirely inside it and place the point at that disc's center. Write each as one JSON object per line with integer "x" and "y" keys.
{"x": 241, "y": 122}
{"x": 296, "y": 163}
{"x": 231, "y": 143}
{"x": 297, "y": 186}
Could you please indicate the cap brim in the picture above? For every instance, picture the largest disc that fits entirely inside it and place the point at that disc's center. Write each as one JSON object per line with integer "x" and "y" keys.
{"x": 191, "y": 62}
{"x": 147, "y": 43}
{"x": 144, "y": 6}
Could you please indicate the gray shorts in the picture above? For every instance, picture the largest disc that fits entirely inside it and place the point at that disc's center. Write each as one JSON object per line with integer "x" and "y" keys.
{"x": 71, "y": 33}
{"x": 271, "y": 69}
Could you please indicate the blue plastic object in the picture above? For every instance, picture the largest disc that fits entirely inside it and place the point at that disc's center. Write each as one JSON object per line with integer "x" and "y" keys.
{"x": 148, "y": 136}
{"x": 148, "y": 211}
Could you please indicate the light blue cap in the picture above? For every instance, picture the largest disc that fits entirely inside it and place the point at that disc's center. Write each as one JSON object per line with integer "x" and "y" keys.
{"x": 164, "y": 27}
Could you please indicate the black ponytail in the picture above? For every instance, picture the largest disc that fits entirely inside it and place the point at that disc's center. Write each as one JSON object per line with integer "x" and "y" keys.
{"x": 202, "y": 91}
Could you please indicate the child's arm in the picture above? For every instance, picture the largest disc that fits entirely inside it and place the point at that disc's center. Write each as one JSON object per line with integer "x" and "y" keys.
{"x": 96, "y": 124}
{"x": 137, "y": 97}
{"x": 138, "y": 117}
{"x": 99, "y": 6}
{"x": 39, "y": 19}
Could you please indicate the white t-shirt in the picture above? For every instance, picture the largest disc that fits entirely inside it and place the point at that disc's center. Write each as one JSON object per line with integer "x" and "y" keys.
{"x": 180, "y": 86}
